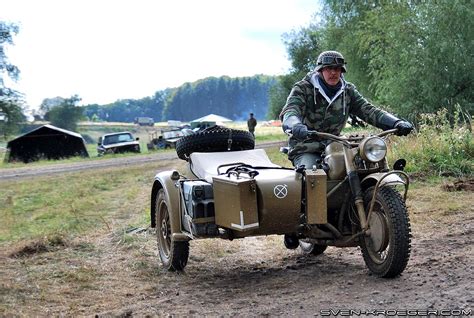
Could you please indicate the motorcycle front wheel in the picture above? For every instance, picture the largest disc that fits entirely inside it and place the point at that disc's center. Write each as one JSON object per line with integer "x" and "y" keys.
{"x": 387, "y": 249}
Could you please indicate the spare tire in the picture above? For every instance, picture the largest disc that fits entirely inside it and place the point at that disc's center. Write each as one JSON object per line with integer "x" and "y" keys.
{"x": 214, "y": 139}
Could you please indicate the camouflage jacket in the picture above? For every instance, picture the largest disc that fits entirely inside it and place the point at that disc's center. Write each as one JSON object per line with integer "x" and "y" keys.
{"x": 308, "y": 102}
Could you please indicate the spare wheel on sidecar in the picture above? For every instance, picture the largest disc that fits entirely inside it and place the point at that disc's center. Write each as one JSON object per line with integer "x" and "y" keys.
{"x": 214, "y": 139}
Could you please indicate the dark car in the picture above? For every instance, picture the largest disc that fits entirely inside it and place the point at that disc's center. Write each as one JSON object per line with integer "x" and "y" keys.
{"x": 167, "y": 138}
{"x": 118, "y": 143}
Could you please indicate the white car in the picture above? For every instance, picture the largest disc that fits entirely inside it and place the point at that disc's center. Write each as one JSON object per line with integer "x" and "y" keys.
{"x": 118, "y": 143}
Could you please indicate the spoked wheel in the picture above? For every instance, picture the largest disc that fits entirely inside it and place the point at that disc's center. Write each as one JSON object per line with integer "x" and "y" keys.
{"x": 173, "y": 254}
{"x": 311, "y": 248}
{"x": 387, "y": 249}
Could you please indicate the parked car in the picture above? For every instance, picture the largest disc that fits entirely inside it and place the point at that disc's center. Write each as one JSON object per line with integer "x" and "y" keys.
{"x": 144, "y": 121}
{"x": 118, "y": 143}
{"x": 167, "y": 138}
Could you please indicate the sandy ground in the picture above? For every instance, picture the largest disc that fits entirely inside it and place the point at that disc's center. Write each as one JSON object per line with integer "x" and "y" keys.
{"x": 118, "y": 274}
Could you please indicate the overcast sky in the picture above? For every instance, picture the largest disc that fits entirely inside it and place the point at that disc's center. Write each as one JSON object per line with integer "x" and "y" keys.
{"x": 108, "y": 50}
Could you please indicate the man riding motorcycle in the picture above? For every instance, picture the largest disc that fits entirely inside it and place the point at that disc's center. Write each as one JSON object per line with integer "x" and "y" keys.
{"x": 322, "y": 101}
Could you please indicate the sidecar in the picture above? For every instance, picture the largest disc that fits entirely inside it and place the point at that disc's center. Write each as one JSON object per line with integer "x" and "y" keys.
{"x": 224, "y": 194}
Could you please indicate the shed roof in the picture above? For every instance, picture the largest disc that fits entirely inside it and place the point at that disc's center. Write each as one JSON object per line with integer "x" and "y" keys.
{"x": 212, "y": 118}
{"x": 52, "y": 128}
{"x": 46, "y": 142}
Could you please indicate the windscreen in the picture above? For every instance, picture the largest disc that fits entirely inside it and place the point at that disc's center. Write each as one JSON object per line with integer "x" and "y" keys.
{"x": 117, "y": 139}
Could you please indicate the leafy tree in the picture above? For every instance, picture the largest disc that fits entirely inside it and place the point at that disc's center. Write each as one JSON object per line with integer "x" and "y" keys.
{"x": 279, "y": 92}
{"x": 412, "y": 57}
{"x": 11, "y": 101}
{"x": 303, "y": 48}
{"x": 48, "y": 104}
{"x": 422, "y": 69}
{"x": 12, "y": 115}
{"x": 446, "y": 57}
{"x": 67, "y": 114}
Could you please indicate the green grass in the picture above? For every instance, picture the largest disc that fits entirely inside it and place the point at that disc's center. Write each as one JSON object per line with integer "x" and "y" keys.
{"x": 438, "y": 148}
{"x": 278, "y": 158}
{"x": 113, "y": 200}
{"x": 75, "y": 203}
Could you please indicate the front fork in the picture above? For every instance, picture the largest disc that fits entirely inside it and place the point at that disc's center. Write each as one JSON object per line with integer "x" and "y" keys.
{"x": 354, "y": 182}
{"x": 356, "y": 189}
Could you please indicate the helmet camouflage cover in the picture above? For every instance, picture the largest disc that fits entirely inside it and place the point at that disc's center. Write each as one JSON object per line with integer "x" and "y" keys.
{"x": 330, "y": 58}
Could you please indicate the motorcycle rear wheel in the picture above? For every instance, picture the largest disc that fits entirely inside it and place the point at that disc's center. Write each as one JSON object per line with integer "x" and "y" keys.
{"x": 173, "y": 254}
{"x": 387, "y": 249}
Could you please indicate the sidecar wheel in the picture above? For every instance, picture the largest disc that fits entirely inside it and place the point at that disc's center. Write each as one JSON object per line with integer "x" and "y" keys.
{"x": 387, "y": 250}
{"x": 214, "y": 139}
{"x": 312, "y": 248}
{"x": 173, "y": 254}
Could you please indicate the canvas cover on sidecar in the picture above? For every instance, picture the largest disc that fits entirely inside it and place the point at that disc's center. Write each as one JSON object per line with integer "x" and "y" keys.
{"x": 205, "y": 164}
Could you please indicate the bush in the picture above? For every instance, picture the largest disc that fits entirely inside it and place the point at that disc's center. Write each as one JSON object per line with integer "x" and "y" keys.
{"x": 439, "y": 148}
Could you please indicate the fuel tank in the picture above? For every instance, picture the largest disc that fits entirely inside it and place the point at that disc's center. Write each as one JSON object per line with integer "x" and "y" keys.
{"x": 335, "y": 160}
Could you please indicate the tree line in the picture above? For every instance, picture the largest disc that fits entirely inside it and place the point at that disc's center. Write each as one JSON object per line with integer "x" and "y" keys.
{"x": 230, "y": 97}
{"x": 410, "y": 57}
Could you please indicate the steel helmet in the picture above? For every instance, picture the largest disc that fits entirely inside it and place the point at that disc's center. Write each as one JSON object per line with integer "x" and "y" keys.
{"x": 330, "y": 58}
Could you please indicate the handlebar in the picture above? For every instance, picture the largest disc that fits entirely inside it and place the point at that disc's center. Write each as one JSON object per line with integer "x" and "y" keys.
{"x": 312, "y": 133}
{"x": 349, "y": 142}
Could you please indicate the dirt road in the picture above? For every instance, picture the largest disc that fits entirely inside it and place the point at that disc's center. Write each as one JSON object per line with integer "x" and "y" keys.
{"x": 116, "y": 273}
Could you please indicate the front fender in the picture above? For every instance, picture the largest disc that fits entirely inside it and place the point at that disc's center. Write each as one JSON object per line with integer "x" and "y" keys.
{"x": 163, "y": 181}
{"x": 372, "y": 179}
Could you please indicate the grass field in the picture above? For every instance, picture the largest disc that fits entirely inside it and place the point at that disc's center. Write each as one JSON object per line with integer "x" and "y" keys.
{"x": 76, "y": 203}
{"x": 61, "y": 207}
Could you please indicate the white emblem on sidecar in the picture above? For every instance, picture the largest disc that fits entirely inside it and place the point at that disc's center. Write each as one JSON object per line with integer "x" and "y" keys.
{"x": 280, "y": 191}
{"x": 242, "y": 225}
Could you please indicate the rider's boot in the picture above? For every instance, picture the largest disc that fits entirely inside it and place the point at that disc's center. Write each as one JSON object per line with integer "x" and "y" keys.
{"x": 291, "y": 241}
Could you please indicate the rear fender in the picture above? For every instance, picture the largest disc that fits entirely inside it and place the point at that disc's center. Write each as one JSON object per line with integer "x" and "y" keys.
{"x": 163, "y": 181}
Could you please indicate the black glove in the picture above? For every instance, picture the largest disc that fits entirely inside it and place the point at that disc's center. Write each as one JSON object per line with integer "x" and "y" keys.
{"x": 403, "y": 128}
{"x": 300, "y": 131}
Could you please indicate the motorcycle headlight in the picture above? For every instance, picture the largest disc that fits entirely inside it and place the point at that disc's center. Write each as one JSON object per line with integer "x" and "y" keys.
{"x": 373, "y": 149}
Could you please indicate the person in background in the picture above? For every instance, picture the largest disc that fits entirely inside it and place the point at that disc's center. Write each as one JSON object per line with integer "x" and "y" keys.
{"x": 251, "y": 124}
{"x": 323, "y": 101}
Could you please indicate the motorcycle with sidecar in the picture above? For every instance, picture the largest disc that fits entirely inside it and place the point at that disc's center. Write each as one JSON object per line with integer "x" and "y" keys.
{"x": 231, "y": 190}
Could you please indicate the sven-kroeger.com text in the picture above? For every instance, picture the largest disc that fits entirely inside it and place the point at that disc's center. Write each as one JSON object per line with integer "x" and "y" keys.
{"x": 396, "y": 312}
